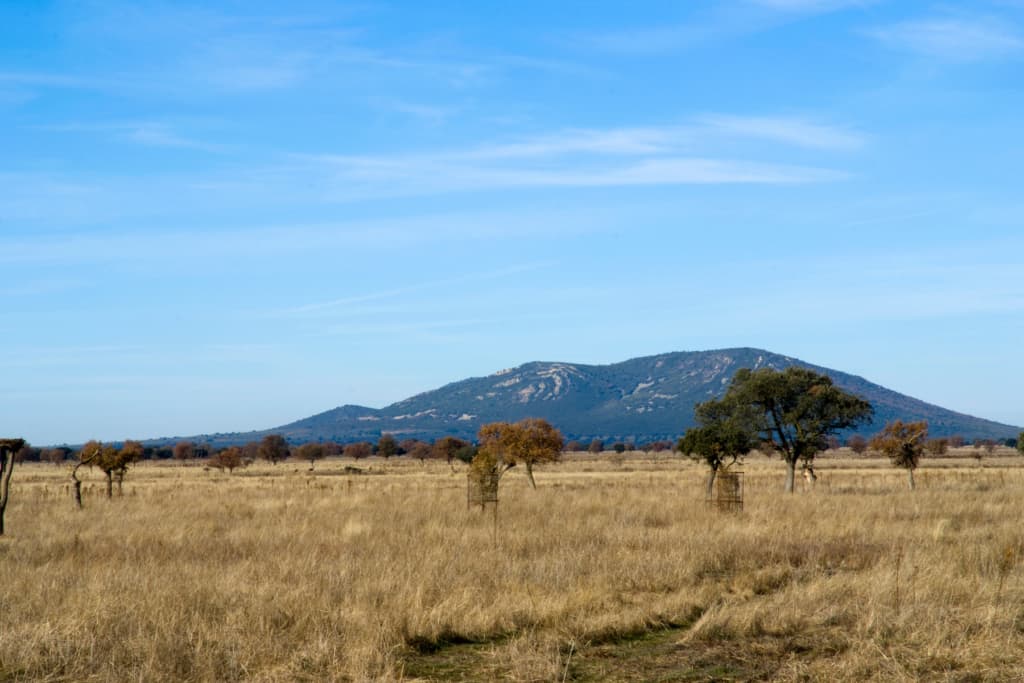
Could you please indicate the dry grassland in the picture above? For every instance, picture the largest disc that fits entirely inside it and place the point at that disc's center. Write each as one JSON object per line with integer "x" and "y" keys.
{"x": 606, "y": 572}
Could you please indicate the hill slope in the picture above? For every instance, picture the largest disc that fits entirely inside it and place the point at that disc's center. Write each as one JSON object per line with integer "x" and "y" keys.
{"x": 641, "y": 399}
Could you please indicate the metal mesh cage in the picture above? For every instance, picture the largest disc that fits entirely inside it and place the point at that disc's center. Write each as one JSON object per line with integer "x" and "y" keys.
{"x": 728, "y": 494}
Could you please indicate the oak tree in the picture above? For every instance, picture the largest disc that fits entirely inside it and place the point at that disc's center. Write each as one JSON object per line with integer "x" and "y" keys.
{"x": 447, "y": 447}
{"x": 531, "y": 441}
{"x": 273, "y": 448}
{"x": 227, "y": 459}
{"x": 89, "y": 452}
{"x": 723, "y": 435}
{"x": 131, "y": 451}
{"x": 904, "y": 443}
{"x": 795, "y": 411}
{"x": 359, "y": 450}
{"x": 184, "y": 450}
{"x": 419, "y": 450}
{"x": 311, "y": 452}
{"x": 387, "y": 446}
{"x": 113, "y": 462}
{"x": 858, "y": 444}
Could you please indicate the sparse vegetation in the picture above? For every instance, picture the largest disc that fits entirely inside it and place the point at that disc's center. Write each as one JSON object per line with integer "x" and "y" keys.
{"x": 937, "y": 447}
{"x": 392, "y": 578}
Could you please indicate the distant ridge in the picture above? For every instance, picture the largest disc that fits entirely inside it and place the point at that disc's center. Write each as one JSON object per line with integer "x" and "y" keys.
{"x": 641, "y": 399}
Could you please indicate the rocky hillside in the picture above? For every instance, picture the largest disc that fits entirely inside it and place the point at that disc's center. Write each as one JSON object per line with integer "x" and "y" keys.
{"x": 640, "y": 399}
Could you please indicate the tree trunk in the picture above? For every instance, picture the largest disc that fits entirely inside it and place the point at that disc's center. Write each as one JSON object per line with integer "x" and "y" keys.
{"x": 790, "y": 475}
{"x": 110, "y": 484}
{"x": 120, "y": 481}
{"x": 6, "y": 469}
{"x": 529, "y": 474}
{"x": 910, "y": 478}
{"x": 76, "y": 486}
{"x": 712, "y": 472}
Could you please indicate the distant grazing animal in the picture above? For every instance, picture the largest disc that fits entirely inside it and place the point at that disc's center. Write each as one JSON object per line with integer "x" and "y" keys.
{"x": 809, "y": 476}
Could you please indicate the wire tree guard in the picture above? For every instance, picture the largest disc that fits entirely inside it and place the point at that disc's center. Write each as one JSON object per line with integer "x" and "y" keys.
{"x": 728, "y": 493}
{"x": 482, "y": 489}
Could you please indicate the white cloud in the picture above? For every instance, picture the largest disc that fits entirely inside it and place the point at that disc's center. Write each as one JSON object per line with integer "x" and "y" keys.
{"x": 615, "y": 157}
{"x": 350, "y": 179}
{"x": 418, "y": 287}
{"x": 794, "y": 131}
{"x": 424, "y": 112}
{"x": 958, "y": 39}
{"x": 150, "y": 133}
{"x": 721, "y": 21}
{"x": 685, "y": 154}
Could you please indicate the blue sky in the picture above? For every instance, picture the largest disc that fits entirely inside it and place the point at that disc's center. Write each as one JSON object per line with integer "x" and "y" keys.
{"x": 225, "y": 216}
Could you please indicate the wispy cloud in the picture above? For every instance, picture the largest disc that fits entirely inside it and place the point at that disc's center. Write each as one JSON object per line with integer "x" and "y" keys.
{"x": 141, "y": 245}
{"x": 425, "y": 112}
{"x": 631, "y": 156}
{"x": 617, "y": 157}
{"x": 42, "y": 78}
{"x": 347, "y": 301}
{"x": 810, "y": 6}
{"x": 722, "y": 21}
{"x": 351, "y": 179}
{"x": 955, "y": 39}
{"x": 151, "y": 133}
{"x": 796, "y": 131}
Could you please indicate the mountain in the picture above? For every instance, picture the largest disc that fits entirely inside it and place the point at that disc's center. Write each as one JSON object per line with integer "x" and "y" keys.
{"x": 641, "y": 399}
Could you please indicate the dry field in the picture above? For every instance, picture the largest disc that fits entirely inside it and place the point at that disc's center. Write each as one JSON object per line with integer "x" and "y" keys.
{"x": 609, "y": 571}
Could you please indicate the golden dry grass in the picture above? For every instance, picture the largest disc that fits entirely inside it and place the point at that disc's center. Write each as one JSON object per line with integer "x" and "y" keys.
{"x": 606, "y": 572}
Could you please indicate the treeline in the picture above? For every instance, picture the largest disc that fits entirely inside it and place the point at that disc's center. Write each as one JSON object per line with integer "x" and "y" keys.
{"x": 938, "y": 446}
{"x": 274, "y": 448}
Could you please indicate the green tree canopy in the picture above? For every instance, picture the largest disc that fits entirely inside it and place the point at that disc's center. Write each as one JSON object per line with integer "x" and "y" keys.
{"x": 793, "y": 411}
{"x": 725, "y": 433}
